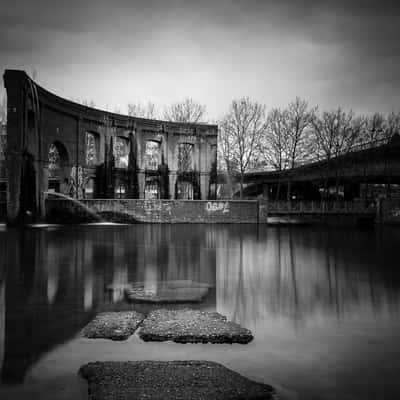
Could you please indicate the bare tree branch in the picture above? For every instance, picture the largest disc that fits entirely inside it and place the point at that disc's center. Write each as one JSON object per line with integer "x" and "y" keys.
{"x": 185, "y": 111}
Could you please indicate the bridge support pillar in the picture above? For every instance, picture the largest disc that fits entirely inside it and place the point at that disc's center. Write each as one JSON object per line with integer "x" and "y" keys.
{"x": 351, "y": 191}
{"x": 265, "y": 191}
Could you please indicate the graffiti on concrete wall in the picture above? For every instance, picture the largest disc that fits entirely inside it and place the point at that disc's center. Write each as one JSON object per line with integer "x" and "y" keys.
{"x": 213, "y": 206}
{"x": 396, "y": 213}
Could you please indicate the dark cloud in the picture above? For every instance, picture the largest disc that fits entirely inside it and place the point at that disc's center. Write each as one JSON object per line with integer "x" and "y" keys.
{"x": 314, "y": 48}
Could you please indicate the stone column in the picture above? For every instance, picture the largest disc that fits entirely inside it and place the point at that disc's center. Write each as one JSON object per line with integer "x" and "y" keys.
{"x": 172, "y": 183}
{"x": 141, "y": 182}
{"x": 14, "y": 84}
{"x": 44, "y": 186}
{"x": 204, "y": 185}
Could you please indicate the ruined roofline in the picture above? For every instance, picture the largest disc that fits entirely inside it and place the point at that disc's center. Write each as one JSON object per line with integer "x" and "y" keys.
{"x": 22, "y": 77}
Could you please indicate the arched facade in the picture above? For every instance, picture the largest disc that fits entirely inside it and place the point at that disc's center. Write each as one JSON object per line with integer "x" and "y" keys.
{"x": 106, "y": 154}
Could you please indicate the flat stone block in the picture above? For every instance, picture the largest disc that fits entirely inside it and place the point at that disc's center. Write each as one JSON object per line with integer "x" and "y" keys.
{"x": 192, "y": 326}
{"x": 113, "y": 325}
{"x": 178, "y": 291}
{"x": 170, "y": 380}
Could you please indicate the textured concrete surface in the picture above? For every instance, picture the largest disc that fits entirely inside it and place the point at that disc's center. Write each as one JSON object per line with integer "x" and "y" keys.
{"x": 159, "y": 211}
{"x": 170, "y": 380}
{"x": 192, "y": 326}
{"x": 113, "y": 325}
{"x": 175, "y": 291}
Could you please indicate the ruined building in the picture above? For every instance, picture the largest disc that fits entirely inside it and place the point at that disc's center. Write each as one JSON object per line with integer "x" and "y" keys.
{"x": 56, "y": 145}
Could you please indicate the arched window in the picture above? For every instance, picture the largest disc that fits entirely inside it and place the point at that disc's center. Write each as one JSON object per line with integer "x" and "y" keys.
{"x": 185, "y": 157}
{"x": 153, "y": 158}
{"x": 121, "y": 152}
{"x": 59, "y": 169}
{"x": 92, "y": 148}
{"x": 58, "y": 156}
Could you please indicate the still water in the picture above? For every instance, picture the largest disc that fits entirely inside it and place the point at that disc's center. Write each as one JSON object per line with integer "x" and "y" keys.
{"x": 323, "y": 303}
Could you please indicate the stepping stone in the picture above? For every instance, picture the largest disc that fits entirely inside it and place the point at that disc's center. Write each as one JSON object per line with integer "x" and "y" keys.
{"x": 170, "y": 380}
{"x": 113, "y": 325}
{"x": 192, "y": 326}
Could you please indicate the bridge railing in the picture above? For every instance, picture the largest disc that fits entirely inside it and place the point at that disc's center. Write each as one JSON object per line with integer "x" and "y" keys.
{"x": 320, "y": 207}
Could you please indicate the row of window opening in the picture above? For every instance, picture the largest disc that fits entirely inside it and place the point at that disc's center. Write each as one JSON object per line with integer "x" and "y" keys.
{"x": 58, "y": 156}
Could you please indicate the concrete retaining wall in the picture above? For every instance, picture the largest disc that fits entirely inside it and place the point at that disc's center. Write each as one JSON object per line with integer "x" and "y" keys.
{"x": 388, "y": 211}
{"x": 157, "y": 211}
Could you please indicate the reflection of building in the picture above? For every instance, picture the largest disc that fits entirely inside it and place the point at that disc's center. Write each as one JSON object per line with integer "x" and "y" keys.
{"x": 61, "y": 146}
{"x": 3, "y": 144}
{"x": 60, "y": 279}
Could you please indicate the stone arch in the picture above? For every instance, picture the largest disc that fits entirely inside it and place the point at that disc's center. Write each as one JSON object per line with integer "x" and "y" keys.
{"x": 59, "y": 168}
{"x": 152, "y": 154}
{"x": 185, "y": 157}
{"x": 121, "y": 152}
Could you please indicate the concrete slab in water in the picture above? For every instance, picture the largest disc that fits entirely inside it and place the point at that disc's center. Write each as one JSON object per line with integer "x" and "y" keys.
{"x": 192, "y": 326}
{"x": 113, "y": 325}
{"x": 177, "y": 291}
{"x": 170, "y": 380}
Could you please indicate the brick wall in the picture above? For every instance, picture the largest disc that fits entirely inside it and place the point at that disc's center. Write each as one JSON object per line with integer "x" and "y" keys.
{"x": 161, "y": 211}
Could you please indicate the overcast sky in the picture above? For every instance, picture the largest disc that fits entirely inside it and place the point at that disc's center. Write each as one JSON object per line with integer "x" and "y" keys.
{"x": 114, "y": 52}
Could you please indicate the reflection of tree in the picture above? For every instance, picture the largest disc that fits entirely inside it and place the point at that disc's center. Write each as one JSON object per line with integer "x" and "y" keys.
{"x": 3, "y": 251}
{"x": 293, "y": 270}
{"x": 300, "y": 274}
{"x": 239, "y": 309}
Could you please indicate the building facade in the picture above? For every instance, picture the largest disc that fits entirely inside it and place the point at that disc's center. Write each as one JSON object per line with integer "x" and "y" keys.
{"x": 55, "y": 145}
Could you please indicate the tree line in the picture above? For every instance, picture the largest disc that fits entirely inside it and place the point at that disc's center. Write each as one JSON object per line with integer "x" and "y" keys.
{"x": 252, "y": 137}
{"x": 283, "y": 138}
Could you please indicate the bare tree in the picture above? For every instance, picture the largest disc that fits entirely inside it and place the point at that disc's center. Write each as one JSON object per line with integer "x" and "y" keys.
{"x": 273, "y": 145}
{"x": 89, "y": 103}
{"x": 185, "y": 111}
{"x": 373, "y": 128}
{"x": 392, "y": 124}
{"x": 140, "y": 110}
{"x": 241, "y": 131}
{"x": 299, "y": 118}
{"x": 335, "y": 132}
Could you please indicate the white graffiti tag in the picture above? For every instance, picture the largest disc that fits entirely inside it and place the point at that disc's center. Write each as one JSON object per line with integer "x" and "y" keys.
{"x": 217, "y": 206}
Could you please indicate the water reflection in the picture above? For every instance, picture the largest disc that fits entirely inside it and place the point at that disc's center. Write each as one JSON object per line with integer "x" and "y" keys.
{"x": 305, "y": 273}
{"x": 57, "y": 280}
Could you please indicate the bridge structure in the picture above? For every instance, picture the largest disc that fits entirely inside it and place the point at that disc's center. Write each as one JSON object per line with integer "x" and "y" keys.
{"x": 376, "y": 164}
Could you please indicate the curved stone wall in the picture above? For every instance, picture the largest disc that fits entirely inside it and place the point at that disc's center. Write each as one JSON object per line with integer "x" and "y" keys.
{"x": 97, "y": 154}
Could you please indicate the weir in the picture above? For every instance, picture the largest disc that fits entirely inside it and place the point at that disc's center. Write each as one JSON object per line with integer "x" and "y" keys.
{"x": 77, "y": 202}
